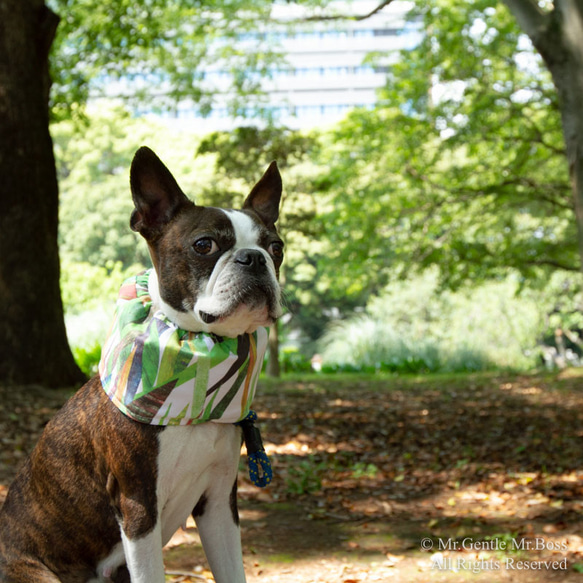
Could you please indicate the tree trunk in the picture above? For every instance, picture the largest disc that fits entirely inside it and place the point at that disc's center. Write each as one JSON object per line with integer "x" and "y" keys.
{"x": 575, "y": 158}
{"x": 33, "y": 342}
{"x": 558, "y": 37}
{"x": 273, "y": 368}
{"x": 567, "y": 71}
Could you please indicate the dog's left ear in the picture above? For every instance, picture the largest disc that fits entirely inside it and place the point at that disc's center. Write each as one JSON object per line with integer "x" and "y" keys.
{"x": 265, "y": 197}
{"x": 156, "y": 194}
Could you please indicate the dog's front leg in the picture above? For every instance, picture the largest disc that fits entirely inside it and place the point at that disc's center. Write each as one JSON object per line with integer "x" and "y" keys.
{"x": 135, "y": 502}
{"x": 217, "y": 520}
{"x": 144, "y": 556}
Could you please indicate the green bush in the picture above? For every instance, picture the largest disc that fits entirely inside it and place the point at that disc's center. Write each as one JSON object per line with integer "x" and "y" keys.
{"x": 87, "y": 287}
{"x": 293, "y": 361}
{"x": 416, "y": 328}
{"x": 88, "y": 358}
{"x": 89, "y": 294}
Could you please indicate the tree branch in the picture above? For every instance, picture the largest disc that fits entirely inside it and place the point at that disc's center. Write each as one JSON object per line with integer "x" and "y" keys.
{"x": 553, "y": 263}
{"x": 345, "y": 16}
{"x": 530, "y": 17}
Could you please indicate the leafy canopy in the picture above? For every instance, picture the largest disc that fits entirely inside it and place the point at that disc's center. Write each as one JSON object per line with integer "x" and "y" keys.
{"x": 460, "y": 165}
{"x": 157, "y": 51}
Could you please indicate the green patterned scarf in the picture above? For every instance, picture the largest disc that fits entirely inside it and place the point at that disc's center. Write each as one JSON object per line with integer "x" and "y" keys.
{"x": 159, "y": 374}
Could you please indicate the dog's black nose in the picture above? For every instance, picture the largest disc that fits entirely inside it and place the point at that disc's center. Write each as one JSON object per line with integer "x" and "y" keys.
{"x": 251, "y": 259}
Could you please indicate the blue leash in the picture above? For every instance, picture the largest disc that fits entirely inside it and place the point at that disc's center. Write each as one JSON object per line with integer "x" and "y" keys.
{"x": 260, "y": 470}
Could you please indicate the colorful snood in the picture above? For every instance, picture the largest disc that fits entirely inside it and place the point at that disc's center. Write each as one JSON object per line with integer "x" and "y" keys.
{"x": 159, "y": 374}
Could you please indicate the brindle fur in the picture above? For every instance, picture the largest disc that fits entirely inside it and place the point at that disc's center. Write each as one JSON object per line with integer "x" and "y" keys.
{"x": 82, "y": 435}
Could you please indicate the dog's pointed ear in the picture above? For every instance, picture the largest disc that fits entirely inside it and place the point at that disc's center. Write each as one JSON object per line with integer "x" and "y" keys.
{"x": 265, "y": 197}
{"x": 156, "y": 194}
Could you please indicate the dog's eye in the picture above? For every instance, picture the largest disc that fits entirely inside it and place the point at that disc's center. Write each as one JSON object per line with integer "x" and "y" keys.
{"x": 276, "y": 249}
{"x": 205, "y": 246}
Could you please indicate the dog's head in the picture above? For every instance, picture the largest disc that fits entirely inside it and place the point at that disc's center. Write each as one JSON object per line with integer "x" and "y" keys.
{"x": 216, "y": 270}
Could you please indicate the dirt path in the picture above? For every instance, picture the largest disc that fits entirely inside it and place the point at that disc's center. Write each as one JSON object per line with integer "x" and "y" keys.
{"x": 439, "y": 479}
{"x": 371, "y": 473}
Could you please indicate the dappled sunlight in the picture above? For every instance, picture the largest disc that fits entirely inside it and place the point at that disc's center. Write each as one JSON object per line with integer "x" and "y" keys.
{"x": 292, "y": 447}
{"x": 432, "y": 457}
{"x": 522, "y": 390}
{"x": 571, "y": 373}
{"x": 529, "y": 391}
{"x": 525, "y": 496}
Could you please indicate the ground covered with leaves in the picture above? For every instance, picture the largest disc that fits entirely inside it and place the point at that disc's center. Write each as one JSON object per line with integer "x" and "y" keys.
{"x": 442, "y": 478}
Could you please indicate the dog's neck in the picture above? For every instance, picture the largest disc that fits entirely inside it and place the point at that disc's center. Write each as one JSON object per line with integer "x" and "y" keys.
{"x": 184, "y": 320}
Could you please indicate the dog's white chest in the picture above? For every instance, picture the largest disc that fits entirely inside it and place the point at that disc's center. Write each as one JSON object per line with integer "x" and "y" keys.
{"x": 193, "y": 461}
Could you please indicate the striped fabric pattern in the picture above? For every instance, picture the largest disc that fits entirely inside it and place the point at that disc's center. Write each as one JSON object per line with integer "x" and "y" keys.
{"x": 159, "y": 374}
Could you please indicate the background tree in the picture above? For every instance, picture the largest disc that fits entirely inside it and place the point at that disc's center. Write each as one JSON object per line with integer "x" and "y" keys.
{"x": 465, "y": 167}
{"x": 557, "y": 34}
{"x": 34, "y": 343}
{"x": 556, "y": 31}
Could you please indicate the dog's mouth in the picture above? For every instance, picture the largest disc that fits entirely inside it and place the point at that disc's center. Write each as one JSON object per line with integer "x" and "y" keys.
{"x": 265, "y": 311}
{"x": 208, "y": 318}
{"x": 236, "y": 304}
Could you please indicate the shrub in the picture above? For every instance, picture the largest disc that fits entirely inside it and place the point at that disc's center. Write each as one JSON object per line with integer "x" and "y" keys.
{"x": 88, "y": 358}
{"x": 414, "y": 328}
{"x": 293, "y": 361}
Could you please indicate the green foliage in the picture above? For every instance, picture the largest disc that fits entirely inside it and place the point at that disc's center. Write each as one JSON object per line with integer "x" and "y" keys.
{"x": 293, "y": 361}
{"x": 88, "y": 358}
{"x": 141, "y": 43}
{"x": 99, "y": 251}
{"x": 460, "y": 165}
{"x": 415, "y": 327}
{"x": 364, "y": 345}
{"x": 239, "y": 151}
{"x": 86, "y": 287}
{"x": 342, "y": 369}
{"x": 93, "y": 163}
{"x": 560, "y": 302}
{"x": 89, "y": 293}
{"x": 362, "y": 470}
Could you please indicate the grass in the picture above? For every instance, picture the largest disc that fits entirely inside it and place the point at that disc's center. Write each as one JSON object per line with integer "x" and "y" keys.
{"x": 386, "y": 381}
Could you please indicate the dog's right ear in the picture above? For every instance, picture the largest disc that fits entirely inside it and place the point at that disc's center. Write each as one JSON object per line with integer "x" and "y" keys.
{"x": 265, "y": 196}
{"x": 156, "y": 194}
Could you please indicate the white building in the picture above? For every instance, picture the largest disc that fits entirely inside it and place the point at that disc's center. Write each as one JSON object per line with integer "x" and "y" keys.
{"x": 325, "y": 70}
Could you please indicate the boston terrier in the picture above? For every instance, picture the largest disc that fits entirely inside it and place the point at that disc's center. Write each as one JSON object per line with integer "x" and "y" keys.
{"x": 102, "y": 492}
